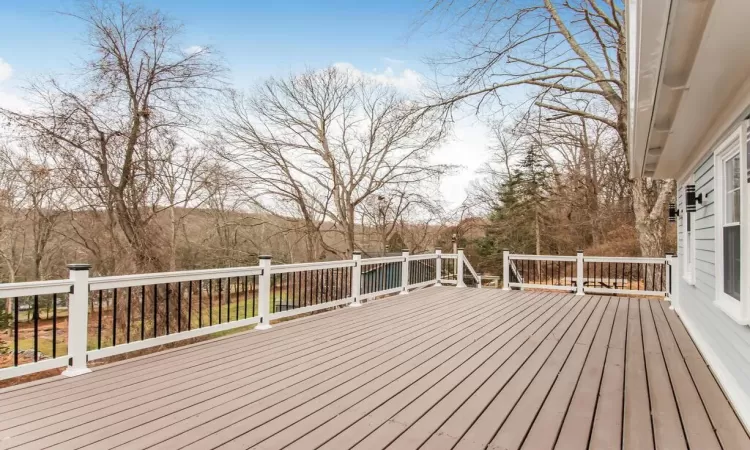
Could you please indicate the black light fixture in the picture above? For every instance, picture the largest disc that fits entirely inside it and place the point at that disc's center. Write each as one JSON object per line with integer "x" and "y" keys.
{"x": 690, "y": 198}
{"x": 673, "y": 212}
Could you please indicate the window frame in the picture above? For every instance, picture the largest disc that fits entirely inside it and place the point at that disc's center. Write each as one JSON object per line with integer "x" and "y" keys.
{"x": 735, "y": 143}
{"x": 687, "y": 221}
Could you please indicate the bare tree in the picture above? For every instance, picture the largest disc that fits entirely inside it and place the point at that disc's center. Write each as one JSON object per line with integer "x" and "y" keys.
{"x": 138, "y": 85}
{"x": 326, "y": 141}
{"x": 386, "y": 213}
{"x": 563, "y": 54}
{"x": 12, "y": 229}
{"x": 179, "y": 178}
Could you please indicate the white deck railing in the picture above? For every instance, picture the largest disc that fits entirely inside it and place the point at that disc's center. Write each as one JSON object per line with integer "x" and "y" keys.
{"x": 588, "y": 274}
{"x": 99, "y": 317}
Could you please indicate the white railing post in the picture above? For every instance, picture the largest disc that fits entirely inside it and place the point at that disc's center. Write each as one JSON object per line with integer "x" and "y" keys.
{"x": 405, "y": 272}
{"x": 506, "y": 270}
{"x": 668, "y": 276}
{"x": 78, "y": 320}
{"x": 438, "y": 266}
{"x": 264, "y": 293}
{"x": 460, "y": 268}
{"x": 674, "y": 296}
{"x": 356, "y": 277}
{"x": 579, "y": 272}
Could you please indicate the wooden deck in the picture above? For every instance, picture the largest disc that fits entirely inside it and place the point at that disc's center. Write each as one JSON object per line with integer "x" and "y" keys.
{"x": 440, "y": 368}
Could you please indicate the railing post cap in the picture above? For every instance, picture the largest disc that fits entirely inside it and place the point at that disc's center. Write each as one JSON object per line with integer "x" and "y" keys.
{"x": 405, "y": 250}
{"x": 264, "y": 257}
{"x": 79, "y": 266}
{"x": 670, "y": 254}
{"x": 356, "y": 253}
{"x": 579, "y": 251}
{"x": 460, "y": 249}
{"x": 506, "y": 250}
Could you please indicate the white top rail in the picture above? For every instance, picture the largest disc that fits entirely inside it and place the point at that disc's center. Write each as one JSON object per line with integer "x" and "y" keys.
{"x": 123, "y": 281}
{"x": 26, "y": 289}
{"x": 381, "y": 260}
{"x": 542, "y": 257}
{"x": 421, "y": 257}
{"x": 302, "y": 267}
{"x": 618, "y": 259}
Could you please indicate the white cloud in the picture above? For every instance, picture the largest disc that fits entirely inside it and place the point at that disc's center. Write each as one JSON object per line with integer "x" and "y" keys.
{"x": 468, "y": 148}
{"x": 6, "y": 71}
{"x": 393, "y": 61}
{"x": 193, "y": 49}
{"x": 407, "y": 79}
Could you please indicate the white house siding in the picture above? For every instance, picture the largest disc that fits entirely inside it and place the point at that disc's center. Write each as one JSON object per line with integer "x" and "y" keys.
{"x": 724, "y": 343}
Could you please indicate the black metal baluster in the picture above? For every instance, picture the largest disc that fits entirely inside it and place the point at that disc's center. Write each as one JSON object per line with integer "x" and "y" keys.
{"x": 179, "y": 306}
{"x": 339, "y": 277}
{"x": 210, "y": 302}
{"x": 156, "y": 310}
{"x": 321, "y": 286}
{"x": 190, "y": 305}
{"x": 286, "y": 297}
{"x": 219, "y": 288}
{"x": 273, "y": 294}
{"x": 15, "y": 331}
{"x": 99, "y": 327}
{"x": 166, "y": 301}
{"x": 630, "y": 275}
{"x": 310, "y": 288}
{"x": 245, "y": 296}
{"x": 114, "y": 317}
{"x": 329, "y": 285}
{"x": 54, "y": 325}
{"x": 36, "y": 328}
{"x": 342, "y": 288}
{"x": 229, "y": 299}
{"x": 200, "y": 303}
{"x": 336, "y": 283}
{"x": 295, "y": 293}
{"x": 638, "y": 274}
{"x": 127, "y": 335}
{"x": 143, "y": 312}
{"x": 254, "y": 290}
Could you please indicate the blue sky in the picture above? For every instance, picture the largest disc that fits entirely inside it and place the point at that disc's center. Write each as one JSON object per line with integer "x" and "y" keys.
{"x": 257, "y": 39}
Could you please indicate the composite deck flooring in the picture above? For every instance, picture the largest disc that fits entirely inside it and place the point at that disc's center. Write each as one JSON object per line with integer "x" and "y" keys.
{"x": 440, "y": 368}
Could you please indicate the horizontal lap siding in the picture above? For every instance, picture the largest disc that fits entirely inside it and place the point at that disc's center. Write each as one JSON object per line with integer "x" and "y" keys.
{"x": 713, "y": 330}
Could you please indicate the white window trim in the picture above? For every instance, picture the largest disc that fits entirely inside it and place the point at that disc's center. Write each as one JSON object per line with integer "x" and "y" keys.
{"x": 688, "y": 243}
{"x": 737, "y": 310}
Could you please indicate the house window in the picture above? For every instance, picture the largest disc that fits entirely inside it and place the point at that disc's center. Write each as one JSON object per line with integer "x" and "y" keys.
{"x": 731, "y": 226}
{"x": 731, "y": 191}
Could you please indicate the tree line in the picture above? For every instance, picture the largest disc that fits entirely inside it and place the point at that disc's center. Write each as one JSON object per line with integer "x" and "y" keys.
{"x": 150, "y": 160}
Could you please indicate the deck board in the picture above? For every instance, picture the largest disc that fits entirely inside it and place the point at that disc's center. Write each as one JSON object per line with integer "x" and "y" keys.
{"x": 439, "y": 368}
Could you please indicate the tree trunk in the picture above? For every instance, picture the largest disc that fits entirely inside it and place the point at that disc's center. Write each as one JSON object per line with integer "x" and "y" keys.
{"x": 649, "y": 206}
